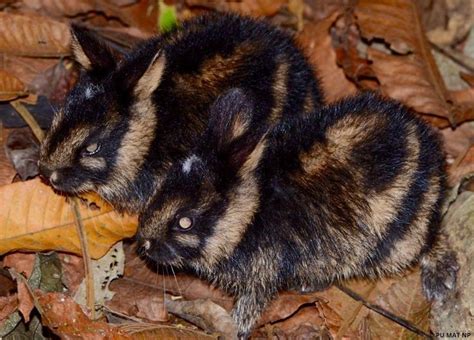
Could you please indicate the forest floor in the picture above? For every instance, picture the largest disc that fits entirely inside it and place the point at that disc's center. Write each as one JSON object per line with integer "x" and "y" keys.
{"x": 418, "y": 52}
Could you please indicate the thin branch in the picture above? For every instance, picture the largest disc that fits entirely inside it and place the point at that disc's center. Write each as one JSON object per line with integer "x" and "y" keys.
{"x": 389, "y": 315}
{"x": 29, "y": 119}
{"x": 20, "y": 277}
{"x": 456, "y": 56}
{"x": 90, "y": 291}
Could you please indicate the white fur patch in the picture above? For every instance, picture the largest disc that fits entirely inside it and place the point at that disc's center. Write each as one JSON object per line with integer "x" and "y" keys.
{"x": 91, "y": 91}
{"x": 188, "y": 163}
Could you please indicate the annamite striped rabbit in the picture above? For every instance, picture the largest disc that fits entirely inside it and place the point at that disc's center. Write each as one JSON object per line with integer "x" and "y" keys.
{"x": 128, "y": 119}
{"x": 354, "y": 190}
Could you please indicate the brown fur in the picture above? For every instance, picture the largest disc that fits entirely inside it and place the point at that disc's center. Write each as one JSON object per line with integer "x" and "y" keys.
{"x": 230, "y": 228}
{"x": 79, "y": 54}
{"x": 280, "y": 91}
{"x": 93, "y": 163}
{"x": 214, "y": 73}
{"x": 151, "y": 79}
{"x": 356, "y": 196}
{"x": 62, "y": 157}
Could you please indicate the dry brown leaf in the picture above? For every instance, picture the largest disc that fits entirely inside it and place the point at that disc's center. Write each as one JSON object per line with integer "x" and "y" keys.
{"x": 22, "y": 263}
{"x": 142, "y": 15}
{"x": 462, "y": 166}
{"x": 316, "y": 10}
{"x": 73, "y": 271}
{"x": 286, "y": 304}
{"x": 7, "y": 172}
{"x": 66, "y": 319}
{"x": 26, "y": 69}
{"x": 190, "y": 287}
{"x": 208, "y": 315}
{"x": 145, "y": 300}
{"x": 123, "y": 2}
{"x": 145, "y": 332}
{"x": 57, "y": 8}
{"x": 141, "y": 300}
{"x": 7, "y": 285}
{"x": 23, "y": 152}
{"x": 33, "y": 35}
{"x": 464, "y": 101}
{"x": 306, "y": 323}
{"x": 410, "y": 74}
{"x": 459, "y": 147}
{"x": 454, "y": 21}
{"x": 403, "y": 297}
{"x": 25, "y": 300}
{"x": 316, "y": 40}
{"x": 55, "y": 82}
{"x": 67, "y": 8}
{"x": 34, "y": 217}
{"x": 457, "y": 141}
{"x": 468, "y": 78}
{"x": 256, "y": 8}
{"x": 10, "y": 87}
{"x": 8, "y": 304}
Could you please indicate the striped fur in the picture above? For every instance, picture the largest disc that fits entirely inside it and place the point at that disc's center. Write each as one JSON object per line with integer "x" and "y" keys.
{"x": 148, "y": 109}
{"x": 351, "y": 191}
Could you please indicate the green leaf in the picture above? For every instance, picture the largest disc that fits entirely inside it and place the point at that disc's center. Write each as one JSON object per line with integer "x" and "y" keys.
{"x": 167, "y": 20}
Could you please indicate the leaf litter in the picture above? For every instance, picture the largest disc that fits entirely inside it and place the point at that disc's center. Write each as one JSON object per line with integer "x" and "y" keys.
{"x": 383, "y": 45}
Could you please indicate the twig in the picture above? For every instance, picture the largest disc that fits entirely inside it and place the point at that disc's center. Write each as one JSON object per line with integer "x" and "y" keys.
{"x": 458, "y": 160}
{"x": 29, "y": 119}
{"x": 456, "y": 56}
{"x": 389, "y": 315}
{"x": 350, "y": 318}
{"x": 122, "y": 315}
{"x": 90, "y": 291}
{"x": 20, "y": 277}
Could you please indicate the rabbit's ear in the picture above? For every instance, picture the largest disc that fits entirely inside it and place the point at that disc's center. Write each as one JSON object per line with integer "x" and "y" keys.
{"x": 90, "y": 51}
{"x": 230, "y": 131}
{"x": 144, "y": 78}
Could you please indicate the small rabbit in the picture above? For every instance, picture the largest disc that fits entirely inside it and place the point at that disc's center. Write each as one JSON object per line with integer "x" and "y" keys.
{"x": 352, "y": 191}
{"x": 128, "y": 119}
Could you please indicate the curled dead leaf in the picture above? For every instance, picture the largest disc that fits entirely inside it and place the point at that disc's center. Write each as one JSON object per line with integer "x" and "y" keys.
{"x": 66, "y": 319}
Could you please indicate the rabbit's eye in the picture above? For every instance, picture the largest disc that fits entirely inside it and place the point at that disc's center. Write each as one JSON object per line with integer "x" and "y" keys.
{"x": 185, "y": 223}
{"x": 91, "y": 149}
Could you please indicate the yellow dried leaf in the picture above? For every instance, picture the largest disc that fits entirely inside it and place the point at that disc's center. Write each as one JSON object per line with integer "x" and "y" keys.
{"x": 33, "y": 217}
{"x": 10, "y": 87}
{"x": 33, "y": 35}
